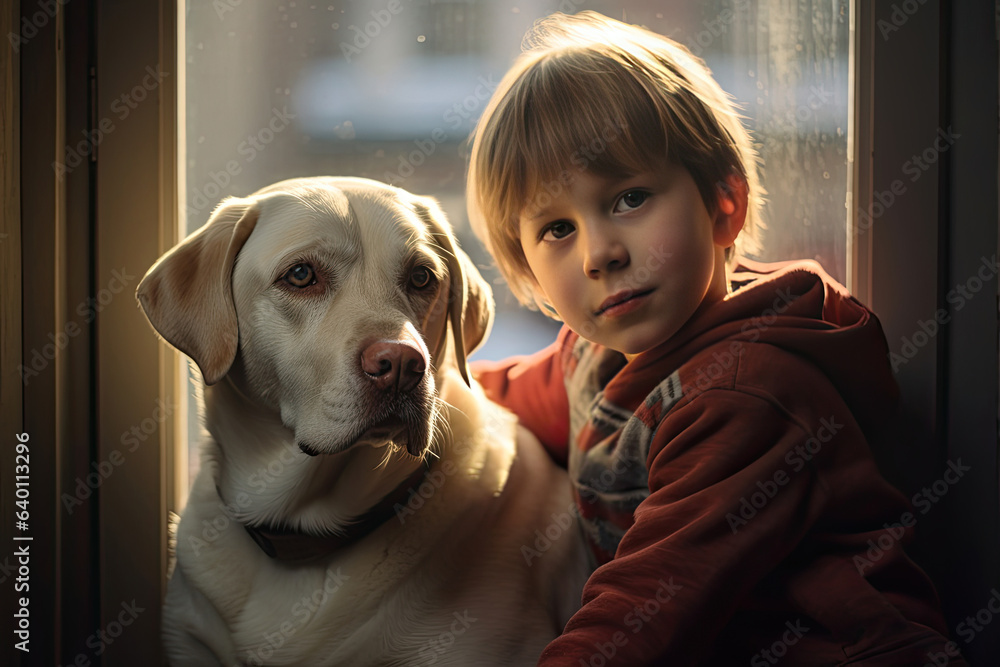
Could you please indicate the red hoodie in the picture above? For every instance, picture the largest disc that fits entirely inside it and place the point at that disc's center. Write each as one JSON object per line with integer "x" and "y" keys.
{"x": 727, "y": 487}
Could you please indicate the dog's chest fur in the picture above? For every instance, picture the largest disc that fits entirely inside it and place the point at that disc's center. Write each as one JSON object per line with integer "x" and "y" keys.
{"x": 418, "y": 586}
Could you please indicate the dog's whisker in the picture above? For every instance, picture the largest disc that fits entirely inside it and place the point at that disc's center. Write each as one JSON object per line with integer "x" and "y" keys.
{"x": 385, "y": 459}
{"x": 391, "y": 450}
{"x": 457, "y": 411}
{"x": 443, "y": 431}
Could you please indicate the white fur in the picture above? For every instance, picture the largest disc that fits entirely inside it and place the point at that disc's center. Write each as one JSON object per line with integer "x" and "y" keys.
{"x": 407, "y": 593}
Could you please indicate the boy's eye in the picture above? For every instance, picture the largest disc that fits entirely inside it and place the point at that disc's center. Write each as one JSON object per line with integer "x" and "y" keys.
{"x": 632, "y": 199}
{"x": 557, "y": 230}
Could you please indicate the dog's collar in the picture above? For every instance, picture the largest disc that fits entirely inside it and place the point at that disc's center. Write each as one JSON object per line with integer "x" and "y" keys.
{"x": 293, "y": 545}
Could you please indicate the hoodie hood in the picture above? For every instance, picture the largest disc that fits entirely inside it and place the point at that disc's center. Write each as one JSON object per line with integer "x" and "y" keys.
{"x": 797, "y": 307}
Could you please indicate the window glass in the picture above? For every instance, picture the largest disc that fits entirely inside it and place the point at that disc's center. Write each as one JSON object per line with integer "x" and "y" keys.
{"x": 390, "y": 90}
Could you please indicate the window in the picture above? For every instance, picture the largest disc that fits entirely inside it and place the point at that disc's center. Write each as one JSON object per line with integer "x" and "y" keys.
{"x": 391, "y": 90}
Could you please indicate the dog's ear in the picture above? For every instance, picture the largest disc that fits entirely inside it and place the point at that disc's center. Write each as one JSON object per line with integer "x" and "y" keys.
{"x": 469, "y": 299}
{"x": 188, "y": 294}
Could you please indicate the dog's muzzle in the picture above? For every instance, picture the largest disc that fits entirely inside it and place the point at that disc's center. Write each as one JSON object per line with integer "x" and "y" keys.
{"x": 397, "y": 392}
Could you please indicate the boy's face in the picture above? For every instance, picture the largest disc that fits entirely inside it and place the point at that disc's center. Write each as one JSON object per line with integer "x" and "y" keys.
{"x": 627, "y": 261}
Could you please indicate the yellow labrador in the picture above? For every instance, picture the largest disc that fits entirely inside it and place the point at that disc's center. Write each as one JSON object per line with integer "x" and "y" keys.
{"x": 360, "y": 502}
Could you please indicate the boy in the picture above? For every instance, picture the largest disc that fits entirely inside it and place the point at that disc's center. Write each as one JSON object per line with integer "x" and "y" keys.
{"x": 713, "y": 425}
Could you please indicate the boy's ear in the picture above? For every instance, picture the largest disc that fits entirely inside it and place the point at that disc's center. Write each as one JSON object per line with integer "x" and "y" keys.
{"x": 731, "y": 212}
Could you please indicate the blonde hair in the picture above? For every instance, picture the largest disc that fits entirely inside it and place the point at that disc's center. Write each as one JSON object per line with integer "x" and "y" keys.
{"x": 596, "y": 94}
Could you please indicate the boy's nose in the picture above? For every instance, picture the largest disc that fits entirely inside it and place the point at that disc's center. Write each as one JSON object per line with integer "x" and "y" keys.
{"x": 605, "y": 253}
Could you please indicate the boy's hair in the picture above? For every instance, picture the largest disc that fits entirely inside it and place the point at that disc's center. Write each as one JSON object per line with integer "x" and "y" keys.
{"x": 592, "y": 93}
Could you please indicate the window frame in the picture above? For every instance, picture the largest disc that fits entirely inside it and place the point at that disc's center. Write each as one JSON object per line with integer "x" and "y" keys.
{"x": 918, "y": 74}
{"x": 109, "y": 554}
{"x": 140, "y": 156}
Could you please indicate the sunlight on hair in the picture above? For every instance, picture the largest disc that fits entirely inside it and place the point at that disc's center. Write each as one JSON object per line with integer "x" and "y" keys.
{"x": 590, "y": 93}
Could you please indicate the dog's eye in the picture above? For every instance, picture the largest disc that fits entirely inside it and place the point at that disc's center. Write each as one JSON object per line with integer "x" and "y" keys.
{"x": 300, "y": 275}
{"x": 421, "y": 277}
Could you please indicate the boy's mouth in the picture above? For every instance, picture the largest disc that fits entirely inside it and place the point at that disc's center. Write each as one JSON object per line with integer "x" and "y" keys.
{"x": 620, "y": 298}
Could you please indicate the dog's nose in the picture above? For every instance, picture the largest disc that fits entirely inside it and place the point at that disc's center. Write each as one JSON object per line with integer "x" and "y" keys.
{"x": 393, "y": 364}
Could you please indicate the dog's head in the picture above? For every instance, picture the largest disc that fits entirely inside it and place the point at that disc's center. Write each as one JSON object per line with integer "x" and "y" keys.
{"x": 330, "y": 300}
